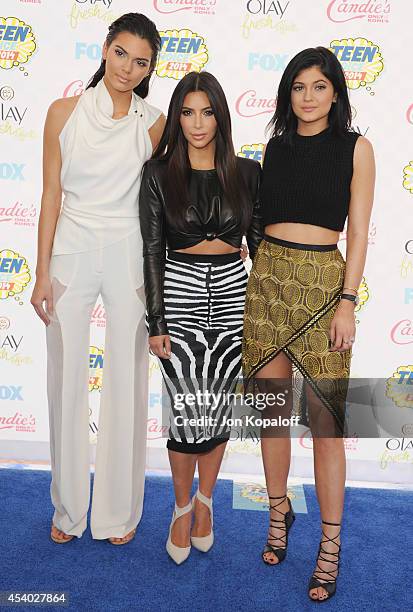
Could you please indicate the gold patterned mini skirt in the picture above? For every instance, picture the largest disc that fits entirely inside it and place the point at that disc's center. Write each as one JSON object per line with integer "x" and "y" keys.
{"x": 292, "y": 294}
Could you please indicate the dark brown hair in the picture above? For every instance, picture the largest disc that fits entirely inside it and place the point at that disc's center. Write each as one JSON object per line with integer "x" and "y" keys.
{"x": 173, "y": 148}
{"x": 141, "y": 26}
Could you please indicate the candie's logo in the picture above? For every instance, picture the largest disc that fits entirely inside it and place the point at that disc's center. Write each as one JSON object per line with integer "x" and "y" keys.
{"x": 361, "y": 60}
{"x": 182, "y": 51}
{"x": 204, "y": 7}
{"x": 402, "y": 332}
{"x": 249, "y": 104}
{"x": 17, "y": 42}
{"x": 95, "y": 368}
{"x": 375, "y": 11}
{"x": 408, "y": 177}
{"x": 399, "y": 387}
{"x": 252, "y": 151}
{"x": 14, "y": 274}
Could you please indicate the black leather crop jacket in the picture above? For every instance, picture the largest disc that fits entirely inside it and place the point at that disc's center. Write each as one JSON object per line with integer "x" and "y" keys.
{"x": 208, "y": 217}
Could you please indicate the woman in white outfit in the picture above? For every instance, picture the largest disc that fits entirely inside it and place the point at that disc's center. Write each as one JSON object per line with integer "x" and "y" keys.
{"x": 94, "y": 148}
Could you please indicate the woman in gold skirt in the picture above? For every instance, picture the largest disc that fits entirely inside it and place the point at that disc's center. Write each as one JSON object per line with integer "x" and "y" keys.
{"x": 299, "y": 312}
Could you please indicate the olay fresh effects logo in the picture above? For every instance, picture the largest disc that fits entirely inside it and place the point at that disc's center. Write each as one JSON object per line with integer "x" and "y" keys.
{"x": 408, "y": 177}
{"x": 200, "y": 7}
{"x": 374, "y": 11}
{"x": 402, "y": 332}
{"x": 267, "y": 7}
{"x": 10, "y": 112}
{"x": 251, "y": 104}
{"x": 17, "y": 42}
{"x": 182, "y": 51}
{"x": 252, "y": 151}
{"x": 265, "y": 15}
{"x": 361, "y": 61}
{"x": 83, "y": 10}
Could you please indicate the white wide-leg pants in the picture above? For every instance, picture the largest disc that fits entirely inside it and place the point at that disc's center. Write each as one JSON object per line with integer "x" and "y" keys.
{"x": 117, "y": 500}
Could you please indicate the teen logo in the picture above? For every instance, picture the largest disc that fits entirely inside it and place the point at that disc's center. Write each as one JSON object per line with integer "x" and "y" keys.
{"x": 74, "y": 88}
{"x": 363, "y": 295}
{"x": 375, "y": 11}
{"x": 14, "y": 274}
{"x": 399, "y": 387}
{"x": 402, "y": 331}
{"x": 18, "y": 422}
{"x": 252, "y": 151}
{"x": 361, "y": 61}
{"x": 249, "y": 104}
{"x": 95, "y": 368}
{"x": 408, "y": 177}
{"x": 11, "y": 172}
{"x": 182, "y": 51}
{"x": 18, "y": 214}
{"x": 11, "y": 393}
{"x": 200, "y": 7}
{"x": 265, "y": 61}
{"x": 267, "y": 7}
{"x": 17, "y": 42}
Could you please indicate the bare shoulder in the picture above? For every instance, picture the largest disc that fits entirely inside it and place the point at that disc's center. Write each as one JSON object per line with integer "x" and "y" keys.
{"x": 363, "y": 146}
{"x": 156, "y": 130}
{"x": 59, "y": 112}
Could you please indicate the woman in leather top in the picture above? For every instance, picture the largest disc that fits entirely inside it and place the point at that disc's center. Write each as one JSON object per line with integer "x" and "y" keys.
{"x": 198, "y": 200}
{"x": 299, "y": 311}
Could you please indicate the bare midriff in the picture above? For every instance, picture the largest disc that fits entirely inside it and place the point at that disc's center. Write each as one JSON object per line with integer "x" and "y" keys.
{"x": 302, "y": 233}
{"x": 210, "y": 247}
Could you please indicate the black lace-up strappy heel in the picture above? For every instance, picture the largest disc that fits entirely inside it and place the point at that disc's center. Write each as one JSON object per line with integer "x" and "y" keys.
{"x": 285, "y": 524}
{"x": 334, "y": 558}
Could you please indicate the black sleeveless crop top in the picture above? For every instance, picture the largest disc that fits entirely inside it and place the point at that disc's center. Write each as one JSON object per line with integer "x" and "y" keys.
{"x": 309, "y": 180}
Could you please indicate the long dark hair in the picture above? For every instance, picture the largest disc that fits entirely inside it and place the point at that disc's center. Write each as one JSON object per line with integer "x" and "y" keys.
{"x": 284, "y": 121}
{"x": 141, "y": 26}
{"x": 173, "y": 149}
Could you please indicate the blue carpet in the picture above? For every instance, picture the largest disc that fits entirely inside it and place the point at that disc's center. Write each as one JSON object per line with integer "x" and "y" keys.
{"x": 377, "y": 545}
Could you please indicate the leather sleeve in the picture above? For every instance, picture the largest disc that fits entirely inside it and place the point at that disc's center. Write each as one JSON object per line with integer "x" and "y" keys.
{"x": 255, "y": 231}
{"x": 152, "y": 221}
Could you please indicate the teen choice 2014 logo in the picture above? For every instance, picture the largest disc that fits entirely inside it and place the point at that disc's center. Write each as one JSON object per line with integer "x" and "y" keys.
{"x": 361, "y": 61}
{"x": 95, "y": 368}
{"x": 408, "y": 177}
{"x": 399, "y": 387}
{"x": 14, "y": 274}
{"x": 363, "y": 295}
{"x": 17, "y": 42}
{"x": 182, "y": 51}
{"x": 252, "y": 151}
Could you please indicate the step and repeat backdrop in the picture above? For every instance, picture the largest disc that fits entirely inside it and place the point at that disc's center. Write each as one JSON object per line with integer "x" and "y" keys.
{"x": 50, "y": 48}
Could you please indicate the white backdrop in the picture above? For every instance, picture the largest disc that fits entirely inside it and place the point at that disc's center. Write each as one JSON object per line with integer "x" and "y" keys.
{"x": 50, "y": 49}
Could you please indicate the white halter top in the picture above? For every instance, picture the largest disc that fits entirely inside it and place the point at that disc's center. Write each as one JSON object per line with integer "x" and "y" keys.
{"x": 102, "y": 159}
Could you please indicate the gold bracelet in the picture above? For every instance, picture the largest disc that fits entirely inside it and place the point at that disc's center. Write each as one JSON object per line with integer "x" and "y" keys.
{"x": 351, "y": 289}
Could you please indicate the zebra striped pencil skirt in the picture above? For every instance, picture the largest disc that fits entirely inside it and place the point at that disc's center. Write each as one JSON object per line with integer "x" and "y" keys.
{"x": 204, "y": 307}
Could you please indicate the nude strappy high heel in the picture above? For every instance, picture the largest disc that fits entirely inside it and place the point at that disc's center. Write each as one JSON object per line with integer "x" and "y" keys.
{"x": 178, "y": 553}
{"x": 204, "y": 543}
